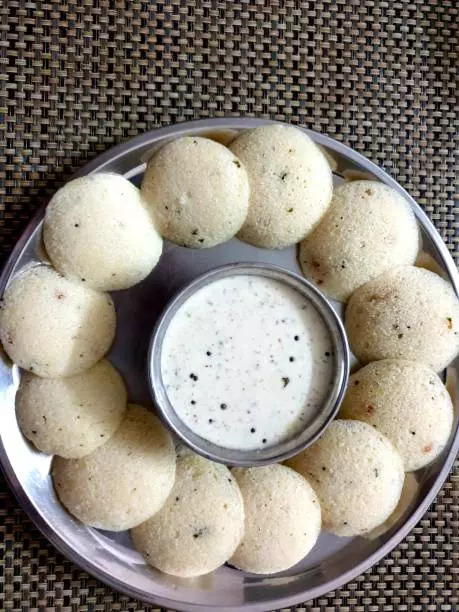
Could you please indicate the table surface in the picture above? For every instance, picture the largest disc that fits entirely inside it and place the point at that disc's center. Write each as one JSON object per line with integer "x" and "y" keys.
{"x": 77, "y": 77}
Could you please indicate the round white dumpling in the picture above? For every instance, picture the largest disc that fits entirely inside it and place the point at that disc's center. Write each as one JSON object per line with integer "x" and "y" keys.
{"x": 71, "y": 416}
{"x": 368, "y": 229}
{"x": 357, "y": 475}
{"x": 405, "y": 401}
{"x": 98, "y": 230}
{"x": 54, "y": 327}
{"x": 124, "y": 481}
{"x": 290, "y": 184}
{"x": 407, "y": 313}
{"x": 282, "y": 519}
{"x": 197, "y": 191}
{"x": 199, "y": 526}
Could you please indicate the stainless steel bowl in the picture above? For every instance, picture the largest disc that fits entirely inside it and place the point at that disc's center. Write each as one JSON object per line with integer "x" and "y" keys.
{"x": 110, "y": 556}
{"x": 305, "y": 437}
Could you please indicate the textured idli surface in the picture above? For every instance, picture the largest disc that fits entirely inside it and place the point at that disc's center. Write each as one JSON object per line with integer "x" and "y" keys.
{"x": 125, "y": 480}
{"x": 198, "y": 192}
{"x": 405, "y": 401}
{"x": 357, "y": 475}
{"x": 290, "y": 184}
{"x": 368, "y": 229}
{"x": 71, "y": 416}
{"x": 199, "y": 526}
{"x": 54, "y": 327}
{"x": 98, "y": 230}
{"x": 407, "y": 313}
{"x": 282, "y": 519}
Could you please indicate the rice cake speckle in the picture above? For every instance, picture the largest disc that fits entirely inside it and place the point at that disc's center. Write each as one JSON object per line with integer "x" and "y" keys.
{"x": 406, "y": 313}
{"x": 290, "y": 184}
{"x": 357, "y": 475}
{"x": 54, "y": 327}
{"x": 368, "y": 229}
{"x": 197, "y": 191}
{"x": 405, "y": 401}
{"x": 199, "y": 526}
{"x": 71, "y": 416}
{"x": 282, "y": 519}
{"x": 124, "y": 481}
{"x": 97, "y": 230}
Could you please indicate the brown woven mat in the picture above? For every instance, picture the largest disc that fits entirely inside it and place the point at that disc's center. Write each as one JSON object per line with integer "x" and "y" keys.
{"x": 77, "y": 77}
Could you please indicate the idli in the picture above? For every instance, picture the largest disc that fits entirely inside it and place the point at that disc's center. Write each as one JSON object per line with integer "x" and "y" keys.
{"x": 199, "y": 526}
{"x": 125, "y": 480}
{"x": 405, "y": 401}
{"x": 368, "y": 229}
{"x": 97, "y": 230}
{"x": 282, "y": 519}
{"x": 52, "y": 326}
{"x": 198, "y": 192}
{"x": 71, "y": 416}
{"x": 357, "y": 475}
{"x": 407, "y": 313}
{"x": 290, "y": 184}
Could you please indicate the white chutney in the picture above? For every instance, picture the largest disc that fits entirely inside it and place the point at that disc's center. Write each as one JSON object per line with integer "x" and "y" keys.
{"x": 247, "y": 362}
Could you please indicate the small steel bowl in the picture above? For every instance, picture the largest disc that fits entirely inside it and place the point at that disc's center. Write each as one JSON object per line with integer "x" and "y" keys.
{"x": 287, "y": 448}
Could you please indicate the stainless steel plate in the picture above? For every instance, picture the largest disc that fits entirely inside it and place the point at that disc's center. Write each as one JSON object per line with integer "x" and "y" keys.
{"x": 109, "y": 556}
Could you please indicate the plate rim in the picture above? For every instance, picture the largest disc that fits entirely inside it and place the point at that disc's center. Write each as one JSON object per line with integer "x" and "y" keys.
{"x": 410, "y": 522}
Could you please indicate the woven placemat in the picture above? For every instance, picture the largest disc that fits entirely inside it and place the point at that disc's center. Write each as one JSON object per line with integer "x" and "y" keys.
{"x": 77, "y": 77}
